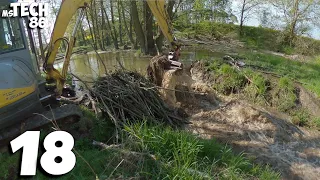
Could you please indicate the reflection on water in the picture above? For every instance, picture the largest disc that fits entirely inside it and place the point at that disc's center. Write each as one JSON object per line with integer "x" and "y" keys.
{"x": 89, "y": 66}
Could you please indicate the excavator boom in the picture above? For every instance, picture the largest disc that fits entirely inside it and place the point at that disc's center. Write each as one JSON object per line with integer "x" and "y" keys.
{"x": 67, "y": 10}
{"x": 160, "y": 13}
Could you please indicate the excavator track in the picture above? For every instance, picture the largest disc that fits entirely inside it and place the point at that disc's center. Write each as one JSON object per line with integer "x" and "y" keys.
{"x": 61, "y": 115}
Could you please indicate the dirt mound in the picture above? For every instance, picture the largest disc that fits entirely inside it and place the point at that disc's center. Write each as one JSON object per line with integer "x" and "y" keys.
{"x": 270, "y": 140}
{"x": 174, "y": 80}
{"x": 266, "y": 136}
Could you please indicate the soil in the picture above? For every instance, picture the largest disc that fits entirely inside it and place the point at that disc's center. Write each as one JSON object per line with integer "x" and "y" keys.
{"x": 264, "y": 135}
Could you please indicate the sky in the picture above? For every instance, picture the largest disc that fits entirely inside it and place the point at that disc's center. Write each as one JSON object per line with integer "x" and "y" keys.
{"x": 315, "y": 31}
{"x": 255, "y": 21}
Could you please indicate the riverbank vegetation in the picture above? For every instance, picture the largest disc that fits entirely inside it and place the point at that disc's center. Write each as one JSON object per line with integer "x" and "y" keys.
{"x": 147, "y": 151}
{"x": 270, "y": 81}
{"x": 130, "y": 24}
{"x": 254, "y": 38}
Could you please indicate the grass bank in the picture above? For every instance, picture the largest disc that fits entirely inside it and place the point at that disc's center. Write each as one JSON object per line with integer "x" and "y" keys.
{"x": 149, "y": 152}
{"x": 270, "y": 80}
{"x": 262, "y": 65}
{"x": 306, "y": 73}
{"x": 253, "y": 37}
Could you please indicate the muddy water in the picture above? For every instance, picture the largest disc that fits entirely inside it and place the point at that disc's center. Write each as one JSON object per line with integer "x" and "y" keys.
{"x": 89, "y": 66}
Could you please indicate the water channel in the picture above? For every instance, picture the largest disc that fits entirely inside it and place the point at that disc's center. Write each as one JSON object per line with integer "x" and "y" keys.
{"x": 89, "y": 67}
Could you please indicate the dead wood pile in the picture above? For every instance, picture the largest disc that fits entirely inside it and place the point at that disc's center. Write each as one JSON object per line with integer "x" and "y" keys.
{"x": 126, "y": 96}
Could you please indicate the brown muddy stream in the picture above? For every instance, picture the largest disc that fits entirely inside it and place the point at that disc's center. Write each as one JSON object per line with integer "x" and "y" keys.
{"x": 89, "y": 67}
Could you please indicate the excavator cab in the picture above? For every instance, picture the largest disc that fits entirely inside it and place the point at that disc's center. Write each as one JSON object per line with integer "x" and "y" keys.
{"x": 23, "y": 92}
{"x": 19, "y": 94}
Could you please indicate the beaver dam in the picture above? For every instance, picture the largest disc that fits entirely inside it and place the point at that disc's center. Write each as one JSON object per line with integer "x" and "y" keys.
{"x": 199, "y": 100}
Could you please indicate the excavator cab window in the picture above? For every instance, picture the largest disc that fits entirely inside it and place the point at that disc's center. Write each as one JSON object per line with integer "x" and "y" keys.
{"x": 10, "y": 35}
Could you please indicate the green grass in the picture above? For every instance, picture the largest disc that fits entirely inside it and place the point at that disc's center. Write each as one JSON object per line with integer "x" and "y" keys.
{"x": 228, "y": 80}
{"x": 307, "y": 73}
{"x": 284, "y": 95}
{"x": 153, "y": 152}
{"x": 8, "y": 164}
{"x": 185, "y": 156}
{"x": 316, "y": 122}
{"x": 257, "y": 90}
{"x": 301, "y": 117}
{"x": 253, "y": 37}
{"x": 280, "y": 93}
{"x": 260, "y": 38}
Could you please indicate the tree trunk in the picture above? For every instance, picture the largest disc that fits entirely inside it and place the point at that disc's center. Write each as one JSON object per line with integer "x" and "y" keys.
{"x": 91, "y": 33}
{"x": 126, "y": 26}
{"x": 116, "y": 45}
{"x": 93, "y": 30}
{"x": 144, "y": 24}
{"x": 242, "y": 17}
{"x": 98, "y": 37}
{"x": 83, "y": 36}
{"x": 137, "y": 26}
{"x": 103, "y": 28}
{"x": 115, "y": 41}
{"x": 131, "y": 33}
{"x": 93, "y": 23}
{"x": 151, "y": 49}
{"x": 41, "y": 45}
{"x": 293, "y": 25}
{"x": 120, "y": 25}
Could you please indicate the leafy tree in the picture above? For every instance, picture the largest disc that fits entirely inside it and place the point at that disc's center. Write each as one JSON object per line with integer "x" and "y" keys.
{"x": 296, "y": 16}
{"x": 247, "y": 8}
{"x": 264, "y": 18}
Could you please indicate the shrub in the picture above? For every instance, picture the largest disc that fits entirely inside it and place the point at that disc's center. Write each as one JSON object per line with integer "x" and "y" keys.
{"x": 301, "y": 117}
{"x": 284, "y": 96}
{"x": 253, "y": 37}
{"x": 229, "y": 80}
{"x": 316, "y": 122}
{"x": 256, "y": 91}
{"x": 214, "y": 65}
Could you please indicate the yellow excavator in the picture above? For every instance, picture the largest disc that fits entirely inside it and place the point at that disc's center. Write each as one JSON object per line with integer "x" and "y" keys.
{"x": 24, "y": 96}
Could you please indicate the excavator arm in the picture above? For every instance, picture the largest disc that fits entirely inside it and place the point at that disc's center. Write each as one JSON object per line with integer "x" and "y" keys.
{"x": 67, "y": 10}
{"x": 160, "y": 13}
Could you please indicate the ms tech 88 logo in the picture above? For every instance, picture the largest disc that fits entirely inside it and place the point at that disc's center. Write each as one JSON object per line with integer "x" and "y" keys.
{"x": 36, "y": 11}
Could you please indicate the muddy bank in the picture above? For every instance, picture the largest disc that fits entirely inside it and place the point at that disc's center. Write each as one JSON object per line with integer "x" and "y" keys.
{"x": 263, "y": 134}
